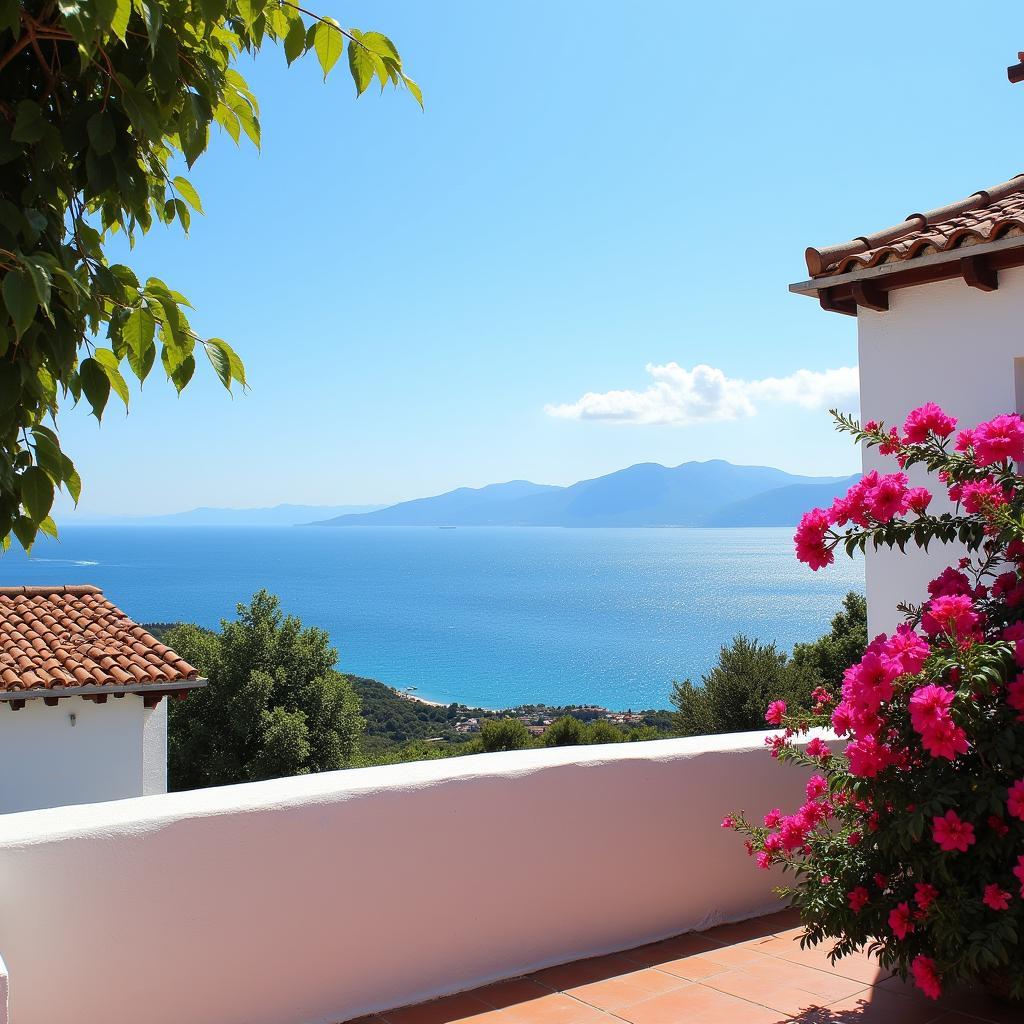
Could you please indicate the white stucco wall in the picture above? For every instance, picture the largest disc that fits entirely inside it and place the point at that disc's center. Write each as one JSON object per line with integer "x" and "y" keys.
{"x": 944, "y": 343}
{"x": 112, "y": 751}
{"x": 320, "y": 898}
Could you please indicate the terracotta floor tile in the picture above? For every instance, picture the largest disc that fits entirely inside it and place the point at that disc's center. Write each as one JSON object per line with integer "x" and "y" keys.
{"x": 615, "y": 993}
{"x": 451, "y": 1009}
{"x": 697, "y": 1004}
{"x": 582, "y": 972}
{"x": 782, "y": 985}
{"x": 510, "y": 993}
{"x": 787, "y": 987}
{"x": 858, "y": 966}
{"x": 554, "y": 1008}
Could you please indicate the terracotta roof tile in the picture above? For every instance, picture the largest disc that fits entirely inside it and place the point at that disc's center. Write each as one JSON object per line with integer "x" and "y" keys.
{"x": 52, "y": 637}
{"x": 985, "y": 216}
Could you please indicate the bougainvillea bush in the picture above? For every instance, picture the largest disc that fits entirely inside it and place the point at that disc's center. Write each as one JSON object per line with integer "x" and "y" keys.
{"x": 911, "y": 839}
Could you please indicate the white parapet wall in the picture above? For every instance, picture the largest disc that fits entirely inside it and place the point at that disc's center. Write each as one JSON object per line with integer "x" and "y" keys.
{"x": 316, "y": 899}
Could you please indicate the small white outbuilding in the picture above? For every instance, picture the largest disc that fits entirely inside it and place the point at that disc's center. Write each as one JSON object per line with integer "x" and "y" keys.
{"x": 939, "y": 302}
{"x": 82, "y": 714}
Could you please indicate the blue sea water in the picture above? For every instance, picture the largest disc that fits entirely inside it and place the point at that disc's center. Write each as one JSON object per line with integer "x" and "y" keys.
{"x": 491, "y": 617}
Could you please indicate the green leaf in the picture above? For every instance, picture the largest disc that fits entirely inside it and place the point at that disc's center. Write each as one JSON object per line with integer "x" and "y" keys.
{"x": 152, "y": 14}
{"x": 138, "y": 330}
{"x": 235, "y": 364}
{"x": 41, "y": 280}
{"x": 119, "y": 23}
{"x": 36, "y": 493}
{"x": 20, "y": 299}
{"x": 295, "y": 41}
{"x": 112, "y": 368}
{"x": 74, "y": 484}
{"x": 25, "y": 530}
{"x": 142, "y": 362}
{"x": 360, "y": 63}
{"x": 188, "y": 192}
{"x": 328, "y": 43}
{"x": 29, "y": 125}
{"x": 49, "y": 527}
{"x": 101, "y": 132}
{"x": 95, "y": 385}
{"x": 414, "y": 89}
{"x": 220, "y": 362}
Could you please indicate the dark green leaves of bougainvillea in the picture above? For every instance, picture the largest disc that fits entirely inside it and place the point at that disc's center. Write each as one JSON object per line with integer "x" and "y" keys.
{"x": 100, "y": 101}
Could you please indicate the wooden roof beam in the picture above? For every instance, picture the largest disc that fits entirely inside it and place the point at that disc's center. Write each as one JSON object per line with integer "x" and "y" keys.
{"x": 979, "y": 273}
{"x": 870, "y": 296}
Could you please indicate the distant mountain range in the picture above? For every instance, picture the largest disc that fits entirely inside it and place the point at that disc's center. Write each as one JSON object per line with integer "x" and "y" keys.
{"x": 278, "y": 515}
{"x": 714, "y": 493}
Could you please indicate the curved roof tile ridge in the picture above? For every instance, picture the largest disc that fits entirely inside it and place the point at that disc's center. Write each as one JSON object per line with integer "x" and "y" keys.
{"x": 867, "y": 250}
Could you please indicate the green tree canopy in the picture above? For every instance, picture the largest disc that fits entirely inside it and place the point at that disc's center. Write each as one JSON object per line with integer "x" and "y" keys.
{"x": 274, "y": 705}
{"x": 750, "y": 675}
{"x": 841, "y": 646}
{"x": 102, "y": 103}
{"x": 504, "y": 734}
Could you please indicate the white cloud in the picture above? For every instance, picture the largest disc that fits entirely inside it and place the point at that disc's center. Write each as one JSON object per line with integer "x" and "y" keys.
{"x": 705, "y": 394}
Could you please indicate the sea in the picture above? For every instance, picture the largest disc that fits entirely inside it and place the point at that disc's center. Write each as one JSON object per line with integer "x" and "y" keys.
{"x": 489, "y": 617}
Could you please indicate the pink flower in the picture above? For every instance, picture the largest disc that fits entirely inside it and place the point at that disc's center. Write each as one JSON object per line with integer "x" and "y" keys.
{"x": 953, "y": 614}
{"x": 764, "y": 860}
{"x": 867, "y": 757}
{"x": 816, "y": 786}
{"x": 888, "y": 498}
{"x": 925, "y": 420}
{"x": 772, "y": 818}
{"x": 810, "y": 540}
{"x": 999, "y": 440}
{"x": 817, "y": 748}
{"x": 900, "y": 920}
{"x": 907, "y": 649}
{"x": 858, "y": 899}
{"x": 952, "y": 833}
{"x": 929, "y": 705}
{"x": 853, "y": 839}
{"x": 773, "y": 716}
{"x": 1019, "y": 872}
{"x": 948, "y": 582}
{"x": 925, "y": 976}
{"x": 918, "y": 499}
{"x": 982, "y": 496}
{"x": 925, "y": 894}
{"x": 1015, "y": 696}
{"x": 1015, "y": 800}
{"x": 727, "y": 822}
{"x": 996, "y": 898}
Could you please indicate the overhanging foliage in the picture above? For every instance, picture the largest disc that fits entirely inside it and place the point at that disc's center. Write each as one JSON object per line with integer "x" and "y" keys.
{"x": 100, "y": 103}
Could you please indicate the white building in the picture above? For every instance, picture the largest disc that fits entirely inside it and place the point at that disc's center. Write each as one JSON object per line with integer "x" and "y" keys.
{"x": 63, "y": 652}
{"x": 939, "y": 302}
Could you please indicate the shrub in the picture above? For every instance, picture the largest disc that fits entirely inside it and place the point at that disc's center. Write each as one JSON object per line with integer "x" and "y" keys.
{"x": 733, "y": 695}
{"x": 911, "y": 840}
{"x": 504, "y": 734}
{"x": 565, "y": 732}
{"x": 603, "y": 732}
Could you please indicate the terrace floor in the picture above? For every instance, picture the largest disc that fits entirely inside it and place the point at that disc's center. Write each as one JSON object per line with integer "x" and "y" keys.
{"x": 749, "y": 973}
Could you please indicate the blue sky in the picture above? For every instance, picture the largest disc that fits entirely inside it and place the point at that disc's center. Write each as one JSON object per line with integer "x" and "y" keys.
{"x": 423, "y": 299}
